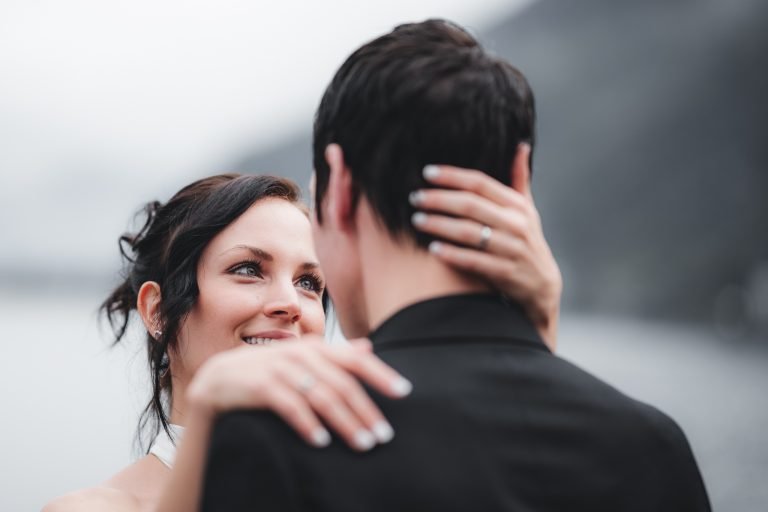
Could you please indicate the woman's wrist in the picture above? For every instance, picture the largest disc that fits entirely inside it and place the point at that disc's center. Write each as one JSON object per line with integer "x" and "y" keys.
{"x": 544, "y": 311}
{"x": 547, "y": 327}
{"x": 200, "y": 396}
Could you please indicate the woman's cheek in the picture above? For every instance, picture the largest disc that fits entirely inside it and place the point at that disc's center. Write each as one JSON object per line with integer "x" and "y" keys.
{"x": 238, "y": 298}
{"x": 312, "y": 317}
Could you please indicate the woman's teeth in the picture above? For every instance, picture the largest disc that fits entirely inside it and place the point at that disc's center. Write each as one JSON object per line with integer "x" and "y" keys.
{"x": 258, "y": 341}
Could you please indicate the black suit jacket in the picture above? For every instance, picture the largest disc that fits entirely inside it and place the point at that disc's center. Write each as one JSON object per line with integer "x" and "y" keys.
{"x": 495, "y": 422}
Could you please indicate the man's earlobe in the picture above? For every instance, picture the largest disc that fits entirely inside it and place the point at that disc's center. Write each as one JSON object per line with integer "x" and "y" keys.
{"x": 521, "y": 169}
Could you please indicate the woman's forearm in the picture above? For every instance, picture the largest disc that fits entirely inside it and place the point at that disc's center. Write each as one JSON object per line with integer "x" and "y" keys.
{"x": 182, "y": 494}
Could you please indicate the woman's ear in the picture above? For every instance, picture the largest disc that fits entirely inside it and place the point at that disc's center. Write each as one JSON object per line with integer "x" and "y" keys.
{"x": 148, "y": 306}
{"x": 521, "y": 169}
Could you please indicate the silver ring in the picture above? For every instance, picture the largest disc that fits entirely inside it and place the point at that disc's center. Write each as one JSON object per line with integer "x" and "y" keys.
{"x": 306, "y": 383}
{"x": 485, "y": 237}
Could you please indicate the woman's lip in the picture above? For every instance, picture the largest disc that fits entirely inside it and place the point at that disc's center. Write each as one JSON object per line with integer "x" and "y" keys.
{"x": 275, "y": 335}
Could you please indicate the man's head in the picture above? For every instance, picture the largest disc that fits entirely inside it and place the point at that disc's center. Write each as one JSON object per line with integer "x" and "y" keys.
{"x": 425, "y": 93}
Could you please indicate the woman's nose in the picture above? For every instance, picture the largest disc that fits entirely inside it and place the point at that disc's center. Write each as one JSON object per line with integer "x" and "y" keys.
{"x": 283, "y": 303}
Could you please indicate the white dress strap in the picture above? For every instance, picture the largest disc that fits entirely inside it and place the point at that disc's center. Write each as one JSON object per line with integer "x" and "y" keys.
{"x": 164, "y": 447}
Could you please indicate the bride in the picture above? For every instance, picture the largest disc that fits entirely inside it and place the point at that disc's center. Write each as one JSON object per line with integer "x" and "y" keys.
{"x": 225, "y": 279}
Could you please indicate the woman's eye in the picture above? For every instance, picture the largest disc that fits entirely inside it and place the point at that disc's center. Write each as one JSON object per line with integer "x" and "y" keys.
{"x": 310, "y": 283}
{"x": 247, "y": 270}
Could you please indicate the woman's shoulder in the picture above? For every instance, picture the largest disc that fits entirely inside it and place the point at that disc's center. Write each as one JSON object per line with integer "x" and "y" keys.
{"x": 134, "y": 489}
{"x": 96, "y": 499}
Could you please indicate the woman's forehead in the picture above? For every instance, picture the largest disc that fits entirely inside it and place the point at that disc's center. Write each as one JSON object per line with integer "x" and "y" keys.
{"x": 273, "y": 225}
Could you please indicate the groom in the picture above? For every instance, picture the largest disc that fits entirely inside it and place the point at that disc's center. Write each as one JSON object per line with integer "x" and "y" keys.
{"x": 495, "y": 420}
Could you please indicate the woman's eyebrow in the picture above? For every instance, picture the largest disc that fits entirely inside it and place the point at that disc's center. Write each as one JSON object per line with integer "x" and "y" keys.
{"x": 310, "y": 265}
{"x": 264, "y": 255}
{"x": 258, "y": 253}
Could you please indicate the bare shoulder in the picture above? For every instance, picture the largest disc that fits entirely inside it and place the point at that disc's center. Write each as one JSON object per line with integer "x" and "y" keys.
{"x": 136, "y": 488}
{"x": 94, "y": 499}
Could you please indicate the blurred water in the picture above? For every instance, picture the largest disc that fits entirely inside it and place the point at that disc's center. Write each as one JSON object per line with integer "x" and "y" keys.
{"x": 713, "y": 386}
{"x": 70, "y": 403}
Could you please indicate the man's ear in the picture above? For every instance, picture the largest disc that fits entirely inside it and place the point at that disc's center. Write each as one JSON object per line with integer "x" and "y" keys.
{"x": 311, "y": 189}
{"x": 521, "y": 169}
{"x": 339, "y": 204}
{"x": 148, "y": 305}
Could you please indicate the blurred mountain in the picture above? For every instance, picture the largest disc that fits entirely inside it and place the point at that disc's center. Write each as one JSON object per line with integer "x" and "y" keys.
{"x": 650, "y": 170}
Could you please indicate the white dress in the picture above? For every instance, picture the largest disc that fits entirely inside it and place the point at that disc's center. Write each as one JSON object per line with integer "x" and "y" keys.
{"x": 164, "y": 447}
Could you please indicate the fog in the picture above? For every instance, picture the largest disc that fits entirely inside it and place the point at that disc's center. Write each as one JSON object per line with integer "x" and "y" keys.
{"x": 106, "y": 105}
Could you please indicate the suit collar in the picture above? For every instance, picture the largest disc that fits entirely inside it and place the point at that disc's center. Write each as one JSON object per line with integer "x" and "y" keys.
{"x": 473, "y": 316}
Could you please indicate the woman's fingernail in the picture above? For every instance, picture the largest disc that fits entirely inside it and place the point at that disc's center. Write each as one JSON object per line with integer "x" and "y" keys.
{"x": 321, "y": 438}
{"x": 435, "y": 247}
{"x": 401, "y": 386}
{"x": 419, "y": 218}
{"x": 431, "y": 172}
{"x": 416, "y": 197}
{"x": 364, "y": 440}
{"x": 383, "y": 431}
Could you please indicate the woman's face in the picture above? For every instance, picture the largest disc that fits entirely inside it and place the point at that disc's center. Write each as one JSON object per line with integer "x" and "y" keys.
{"x": 259, "y": 282}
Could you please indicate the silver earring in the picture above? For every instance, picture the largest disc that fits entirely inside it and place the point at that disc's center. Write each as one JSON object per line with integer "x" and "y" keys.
{"x": 157, "y": 333}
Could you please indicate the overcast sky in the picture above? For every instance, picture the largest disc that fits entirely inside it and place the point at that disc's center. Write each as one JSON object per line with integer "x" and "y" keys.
{"x": 105, "y": 105}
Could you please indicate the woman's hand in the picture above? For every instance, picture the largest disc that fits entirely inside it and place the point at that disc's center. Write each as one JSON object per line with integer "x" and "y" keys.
{"x": 303, "y": 382}
{"x": 515, "y": 259}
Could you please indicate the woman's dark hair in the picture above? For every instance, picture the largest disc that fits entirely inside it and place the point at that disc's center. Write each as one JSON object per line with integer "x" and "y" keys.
{"x": 167, "y": 250}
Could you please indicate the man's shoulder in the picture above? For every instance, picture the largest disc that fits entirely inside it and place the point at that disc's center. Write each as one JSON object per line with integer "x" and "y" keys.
{"x": 251, "y": 458}
{"x": 520, "y": 380}
{"x": 634, "y": 415}
{"x": 259, "y": 432}
{"x": 248, "y": 424}
{"x": 634, "y": 425}
{"x": 94, "y": 499}
{"x": 504, "y": 368}
{"x": 663, "y": 432}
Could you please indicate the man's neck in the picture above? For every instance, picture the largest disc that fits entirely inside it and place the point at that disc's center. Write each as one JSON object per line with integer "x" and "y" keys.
{"x": 397, "y": 275}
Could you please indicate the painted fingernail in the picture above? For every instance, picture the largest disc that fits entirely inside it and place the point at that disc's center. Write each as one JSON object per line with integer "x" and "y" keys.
{"x": 364, "y": 440}
{"x": 321, "y": 438}
{"x": 419, "y": 218}
{"x": 431, "y": 172}
{"x": 416, "y": 197}
{"x": 383, "y": 431}
{"x": 402, "y": 386}
{"x": 435, "y": 247}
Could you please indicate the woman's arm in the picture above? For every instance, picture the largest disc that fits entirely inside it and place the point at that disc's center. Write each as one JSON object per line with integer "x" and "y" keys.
{"x": 516, "y": 259}
{"x": 300, "y": 381}
{"x": 95, "y": 499}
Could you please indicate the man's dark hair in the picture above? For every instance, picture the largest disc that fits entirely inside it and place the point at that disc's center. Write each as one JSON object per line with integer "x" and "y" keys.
{"x": 425, "y": 93}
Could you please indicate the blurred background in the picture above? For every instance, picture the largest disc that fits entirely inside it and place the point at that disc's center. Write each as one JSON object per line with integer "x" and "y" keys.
{"x": 650, "y": 174}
